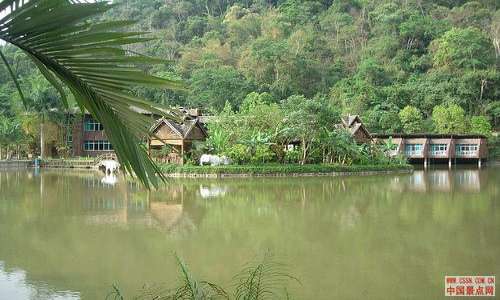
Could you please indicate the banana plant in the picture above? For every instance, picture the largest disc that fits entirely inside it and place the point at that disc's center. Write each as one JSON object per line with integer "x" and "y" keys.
{"x": 76, "y": 53}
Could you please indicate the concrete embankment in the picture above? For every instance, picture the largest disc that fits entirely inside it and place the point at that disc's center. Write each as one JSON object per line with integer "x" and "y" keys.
{"x": 15, "y": 164}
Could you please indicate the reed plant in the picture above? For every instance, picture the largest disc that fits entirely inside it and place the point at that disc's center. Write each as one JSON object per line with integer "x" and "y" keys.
{"x": 261, "y": 279}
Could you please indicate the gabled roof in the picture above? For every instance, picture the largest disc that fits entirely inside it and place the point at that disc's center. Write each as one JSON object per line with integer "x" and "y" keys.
{"x": 353, "y": 123}
{"x": 349, "y": 120}
{"x": 174, "y": 126}
{"x": 357, "y": 127}
{"x": 182, "y": 130}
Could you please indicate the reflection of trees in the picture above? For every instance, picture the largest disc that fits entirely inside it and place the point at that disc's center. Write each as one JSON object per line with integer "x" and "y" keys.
{"x": 347, "y": 230}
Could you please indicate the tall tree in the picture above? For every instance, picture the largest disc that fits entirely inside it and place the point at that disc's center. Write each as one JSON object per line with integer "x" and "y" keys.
{"x": 88, "y": 57}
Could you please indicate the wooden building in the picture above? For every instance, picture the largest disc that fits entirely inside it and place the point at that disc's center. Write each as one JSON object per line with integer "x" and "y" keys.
{"x": 88, "y": 137}
{"x": 438, "y": 147}
{"x": 179, "y": 136}
{"x": 357, "y": 129}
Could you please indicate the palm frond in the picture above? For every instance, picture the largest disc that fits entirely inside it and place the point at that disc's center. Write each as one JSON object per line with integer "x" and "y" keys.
{"x": 89, "y": 59}
{"x": 14, "y": 77}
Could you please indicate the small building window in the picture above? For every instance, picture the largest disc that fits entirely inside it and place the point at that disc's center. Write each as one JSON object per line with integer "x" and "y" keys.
{"x": 414, "y": 149}
{"x": 438, "y": 149}
{"x": 466, "y": 149}
{"x": 97, "y": 146}
{"x": 92, "y": 125}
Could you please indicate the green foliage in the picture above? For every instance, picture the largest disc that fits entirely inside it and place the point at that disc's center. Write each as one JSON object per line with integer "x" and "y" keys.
{"x": 239, "y": 153}
{"x": 467, "y": 48}
{"x": 283, "y": 169}
{"x": 308, "y": 120}
{"x": 218, "y": 139}
{"x": 10, "y": 131}
{"x": 449, "y": 119}
{"x": 494, "y": 147}
{"x": 372, "y": 58}
{"x": 213, "y": 87}
{"x": 262, "y": 279}
{"x": 88, "y": 58}
{"x": 411, "y": 119}
{"x": 480, "y": 125}
{"x": 262, "y": 154}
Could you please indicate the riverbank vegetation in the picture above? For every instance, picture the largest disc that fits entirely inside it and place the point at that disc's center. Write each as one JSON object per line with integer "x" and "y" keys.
{"x": 403, "y": 66}
{"x": 298, "y": 130}
{"x": 282, "y": 169}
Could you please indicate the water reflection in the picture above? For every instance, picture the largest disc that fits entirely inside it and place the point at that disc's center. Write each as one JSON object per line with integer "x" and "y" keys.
{"x": 213, "y": 191}
{"x": 439, "y": 180}
{"x": 70, "y": 231}
{"x": 109, "y": 179}
{"x": 14, "y": 284}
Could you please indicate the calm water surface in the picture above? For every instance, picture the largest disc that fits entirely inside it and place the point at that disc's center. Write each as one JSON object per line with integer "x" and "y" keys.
{"x": 71, "y": 235}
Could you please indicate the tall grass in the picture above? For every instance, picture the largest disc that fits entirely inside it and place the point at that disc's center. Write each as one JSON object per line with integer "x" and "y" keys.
{"x": 262, "y": 279}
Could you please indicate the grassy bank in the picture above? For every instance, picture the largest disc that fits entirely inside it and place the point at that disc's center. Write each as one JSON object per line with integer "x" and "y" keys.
{"x": 279, "y": 169}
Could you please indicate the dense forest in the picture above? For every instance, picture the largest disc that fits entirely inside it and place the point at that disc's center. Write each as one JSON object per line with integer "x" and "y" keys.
{"x": 402, "y": 65}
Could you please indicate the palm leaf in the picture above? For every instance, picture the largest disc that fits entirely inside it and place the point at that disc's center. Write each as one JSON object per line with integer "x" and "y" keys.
{"x": 88, "y": 58}
{"x": 14, "y": 77}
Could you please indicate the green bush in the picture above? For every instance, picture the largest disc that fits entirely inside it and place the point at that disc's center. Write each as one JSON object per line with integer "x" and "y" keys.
{"x": 263, "y": 154}
{"x": 239, "y": 153}
{"x": 292, "y": 156}
{"x": 274, "y": 169}
{"x": 494, "y": 148}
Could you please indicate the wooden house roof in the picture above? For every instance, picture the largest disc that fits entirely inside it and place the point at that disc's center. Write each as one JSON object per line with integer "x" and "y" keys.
{"x": 182, "y": 130}
{"x": 354, "y": 124}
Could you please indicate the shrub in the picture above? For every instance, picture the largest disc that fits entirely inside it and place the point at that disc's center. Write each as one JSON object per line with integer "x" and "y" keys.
{"x": 239, "y": 153}
{"x": 292, "y": 156}
{"x": 263, "y": 154}
{"x": 480, "y": 125}
{"x": 275, "y": 169}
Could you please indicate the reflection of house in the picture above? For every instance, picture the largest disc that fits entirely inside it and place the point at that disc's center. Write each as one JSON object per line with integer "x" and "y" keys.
{"x": 468, "y": 180}
{"x": 417, "y": 181}
{"x": 439, "y": 180}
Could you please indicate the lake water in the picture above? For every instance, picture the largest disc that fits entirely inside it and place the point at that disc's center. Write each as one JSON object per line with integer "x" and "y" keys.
{"x": 72, "y": 235}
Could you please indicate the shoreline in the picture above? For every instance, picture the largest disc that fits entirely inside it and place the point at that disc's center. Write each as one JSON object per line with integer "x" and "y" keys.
{"x": 282, "y": 175}
{"x": 247, "y": 171}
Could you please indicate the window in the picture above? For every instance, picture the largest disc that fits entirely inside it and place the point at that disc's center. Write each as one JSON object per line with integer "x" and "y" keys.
{"x": 97, "y": 146}
{"x": 413, "y": 149}
{"x": 92, "y": 125}
{"x": 438, "y": 149}
{"x": 466, "y": 149}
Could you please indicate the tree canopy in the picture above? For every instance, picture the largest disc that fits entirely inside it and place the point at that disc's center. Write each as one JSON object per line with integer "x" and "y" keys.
{"x": 395, "y": 63}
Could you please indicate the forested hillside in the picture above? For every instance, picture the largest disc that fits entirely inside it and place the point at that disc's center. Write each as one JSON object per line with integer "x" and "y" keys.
{"x": 396, "y": 63}
{"x": 370, "y": 57}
